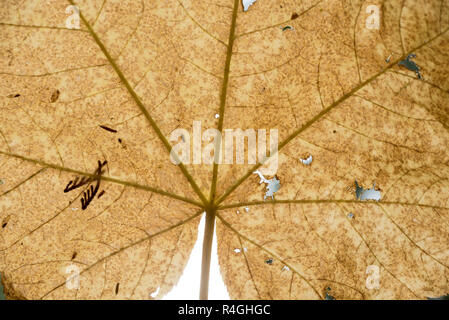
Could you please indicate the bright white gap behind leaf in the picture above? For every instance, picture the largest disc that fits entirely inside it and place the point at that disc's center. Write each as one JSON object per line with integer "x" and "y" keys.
{"x": 188, "y": 287}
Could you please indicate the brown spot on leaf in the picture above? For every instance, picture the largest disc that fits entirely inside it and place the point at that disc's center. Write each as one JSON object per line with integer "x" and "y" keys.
{"x": 54, "y": 96}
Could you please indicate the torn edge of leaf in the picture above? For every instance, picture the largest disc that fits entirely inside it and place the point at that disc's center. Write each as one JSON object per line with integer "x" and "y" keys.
{"x": 155, "y": 293}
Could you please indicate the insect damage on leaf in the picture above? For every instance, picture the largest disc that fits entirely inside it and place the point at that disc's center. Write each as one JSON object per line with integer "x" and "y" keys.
{"x": 273, "y": 185}
{"x": 91, "y": 191}
{"x": 366, "y": 194}
{"x": 247, "y": 4}
{"x": 101, "y": 194}
{"x": 269, "y": 261}
{"x": 411, "y": 65}
{"x": 307, "y": 161}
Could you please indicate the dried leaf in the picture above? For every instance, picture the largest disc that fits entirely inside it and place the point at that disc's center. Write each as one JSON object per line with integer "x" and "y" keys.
{"x": 147, "y": 68}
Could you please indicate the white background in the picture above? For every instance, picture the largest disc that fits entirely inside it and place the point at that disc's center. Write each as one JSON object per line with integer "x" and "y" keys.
{"x": 188, "y": 287}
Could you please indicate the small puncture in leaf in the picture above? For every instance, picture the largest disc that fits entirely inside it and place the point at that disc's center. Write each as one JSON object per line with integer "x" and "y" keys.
{"x": 445, "y": 297}
{"x": 269, "y": 261}
{"x": 366, "y": 194}
{"x": 412, "y": 66}
{"x": 246, "y": 209}
{"x": 285, "y": 268}
{"x": 389, "y": 58}
{"x": 247, "y": 4}
{"x": 350, "y": 215}
{"x": 236, "y": 250}
{"x": 307, "y": 161}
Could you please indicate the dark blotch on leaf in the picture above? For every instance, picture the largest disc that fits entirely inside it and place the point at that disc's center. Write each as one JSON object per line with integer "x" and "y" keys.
{"x": 117, "y": 288}
{"x": 101, "y": 194}
{"x": 54, "y": 96}
{"x": 74, "y": 255}
{"x": 294, "y": 16}
{"x": 269, "y": 261}
{"x": 13, "y": 95}
{"x": 108, "y": 129}
{"x": 5, "y": 222}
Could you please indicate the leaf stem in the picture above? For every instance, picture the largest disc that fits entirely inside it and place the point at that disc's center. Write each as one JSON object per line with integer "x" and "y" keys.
{"x": 207, "y": 248}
